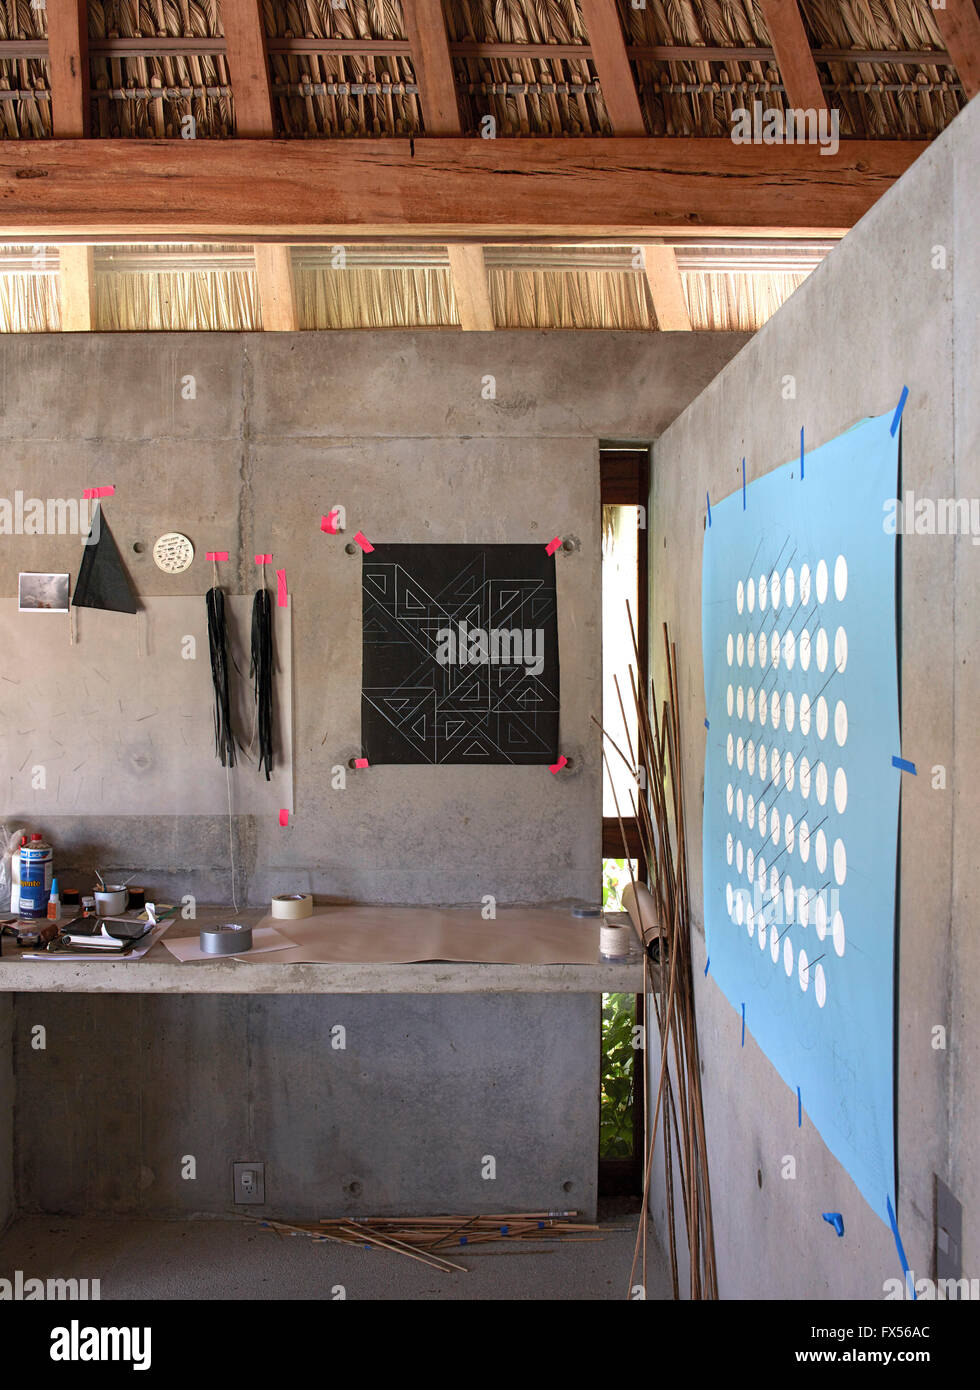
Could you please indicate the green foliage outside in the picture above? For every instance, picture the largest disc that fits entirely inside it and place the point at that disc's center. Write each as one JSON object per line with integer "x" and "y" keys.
{"x": 618, "y": 1018}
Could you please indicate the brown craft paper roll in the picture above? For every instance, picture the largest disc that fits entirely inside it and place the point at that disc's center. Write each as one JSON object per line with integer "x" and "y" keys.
{"x": 642, "y": 910}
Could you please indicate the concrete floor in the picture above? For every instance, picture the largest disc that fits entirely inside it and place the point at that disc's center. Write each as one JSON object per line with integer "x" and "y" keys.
{"x": 213, "y": 1259}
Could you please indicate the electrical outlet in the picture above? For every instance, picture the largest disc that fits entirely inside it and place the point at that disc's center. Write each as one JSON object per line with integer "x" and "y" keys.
{"x": 249, "y": 1183}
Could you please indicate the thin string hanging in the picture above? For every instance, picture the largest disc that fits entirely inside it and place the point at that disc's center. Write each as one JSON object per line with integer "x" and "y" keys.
{"x": 224, "y": 738}
{"x": 261, "y": 672}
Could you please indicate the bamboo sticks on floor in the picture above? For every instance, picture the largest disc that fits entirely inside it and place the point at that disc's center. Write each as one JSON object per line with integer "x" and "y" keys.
{"x": 678, "y": 1110}
{"x": 422, "y": 1237}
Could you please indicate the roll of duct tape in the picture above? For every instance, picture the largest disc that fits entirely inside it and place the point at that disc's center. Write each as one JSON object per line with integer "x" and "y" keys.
{"x": 291, "y": 906}
{"x": 614, "y": 942}
{"x": 227, "y": 939}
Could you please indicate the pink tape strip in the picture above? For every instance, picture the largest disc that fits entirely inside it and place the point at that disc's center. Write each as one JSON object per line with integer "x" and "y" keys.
{"x": 363, "y": 542}
{"x": 329, "y": 523}
{"x": 216, "y": 555}
{"x": 263, "y": 559}
{"x": 284, "y": 817}
{"x": 552, "y": 546}
{"x": 360, "y": 762}
{"x": 557, "y": 767}
{"x": 93, "y": 492}
{"x": 283, "y": 596}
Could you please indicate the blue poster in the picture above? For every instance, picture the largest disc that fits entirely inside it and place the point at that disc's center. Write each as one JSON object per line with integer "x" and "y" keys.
{"x": 801, "y": 796}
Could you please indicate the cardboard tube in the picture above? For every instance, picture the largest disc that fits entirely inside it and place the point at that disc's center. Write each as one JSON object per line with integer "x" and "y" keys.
{"x": 642, "y": 910}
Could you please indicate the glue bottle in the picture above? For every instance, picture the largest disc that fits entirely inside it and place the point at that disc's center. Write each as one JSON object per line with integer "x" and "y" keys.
{"x": 54, "y": 902}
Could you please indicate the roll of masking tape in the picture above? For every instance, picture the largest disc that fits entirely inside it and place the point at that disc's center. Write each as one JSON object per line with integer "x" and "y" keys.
{"x": 614, "y": 942}
{"x": 291, "y": 906}
{"x": 228, "y": 939}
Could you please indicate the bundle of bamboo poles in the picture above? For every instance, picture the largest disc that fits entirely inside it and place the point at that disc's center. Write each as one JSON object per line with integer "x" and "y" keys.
{"x": 421, "y": 1237}
{"x": 678, "y": 1118}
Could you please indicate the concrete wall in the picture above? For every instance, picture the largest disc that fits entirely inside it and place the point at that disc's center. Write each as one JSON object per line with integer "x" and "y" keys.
{"x": 395, "y": 427}
{"x": 874, "y": 316}
{"x": 281, "y": 428}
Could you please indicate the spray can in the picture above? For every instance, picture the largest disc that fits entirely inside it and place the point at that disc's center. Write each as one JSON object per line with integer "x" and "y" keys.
{"x": 36, "y": 864}
{"x": 15, "y": 878}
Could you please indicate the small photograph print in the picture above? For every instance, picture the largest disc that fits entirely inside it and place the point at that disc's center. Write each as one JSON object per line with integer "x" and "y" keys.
{"x": 43, "y": 593}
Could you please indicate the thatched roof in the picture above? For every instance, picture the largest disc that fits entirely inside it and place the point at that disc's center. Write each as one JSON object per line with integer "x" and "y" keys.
{"x": 213, "y": 287}
{"x": 366, "y": 93}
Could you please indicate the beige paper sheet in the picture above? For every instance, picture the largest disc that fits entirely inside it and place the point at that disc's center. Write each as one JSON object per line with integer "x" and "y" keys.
{"x": 367, "y": 935}
{"x": 264, "y": 939}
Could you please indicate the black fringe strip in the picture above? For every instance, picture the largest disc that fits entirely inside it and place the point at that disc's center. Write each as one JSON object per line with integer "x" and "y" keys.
{"x": 261, "y": 672}
{"x": 224, "y": 738}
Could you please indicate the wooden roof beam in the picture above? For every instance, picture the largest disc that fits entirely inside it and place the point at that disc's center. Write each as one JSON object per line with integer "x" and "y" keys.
{"x": 612, "y": 65}
{"x": 468, "y": 268}
{"x": 425, "y": 25}
{"x": 960, "y": 28}
{"x": 446, "y": 190}
{"x": 276, "y": 287}
{"x": 666, "y": 289}
{"x": 248, "y": 67}
{"x": 68, "y": 71}
{"x": 793, "y": 55}
{"x": 76, "y": 276}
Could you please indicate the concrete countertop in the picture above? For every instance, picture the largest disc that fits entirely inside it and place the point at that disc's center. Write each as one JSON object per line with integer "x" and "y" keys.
{"x": 161, "y": 973}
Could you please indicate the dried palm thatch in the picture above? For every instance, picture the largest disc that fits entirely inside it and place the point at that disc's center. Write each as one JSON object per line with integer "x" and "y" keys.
{"x": 209, "y": 300}
{"x": 928, "y": 97}
{"x": 29, "y": 303}
{"x": 303, "y": 108}
{"x": 25, "y": 115}
{"x": 190, "y": 85}
{"x": 575, "y": 108}
{"x": 375, "y": 298}
{"x": 697, "y": 98}
{"x": 569, "y": 299}
{"x": 737, "y": 303}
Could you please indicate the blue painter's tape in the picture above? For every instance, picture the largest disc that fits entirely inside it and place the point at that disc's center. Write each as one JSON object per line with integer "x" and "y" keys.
{"x": 900, "y": 1247}
{"x": 743, "y": 485}
{"x": 743, "y": 1025}
{"x": 897, "y": 417}
{"x": 504, "y": 1230}
{"x": 802, "y": 455}
{"x": 706, "y": 724}
{"x": 834, "y": 1218}
{"x": 799, "y": 1109}
{"x": 708, "y": 495}
{"x": 904, "y": 765}
{"x": 464, "y": 1240}
{"x": 707, "y": 963}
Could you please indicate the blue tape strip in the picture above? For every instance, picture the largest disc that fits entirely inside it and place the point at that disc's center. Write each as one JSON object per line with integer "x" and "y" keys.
{"x": 743, "y": 1025}
{"x": 900, "y": 1248}
{"x": 799, "y": 1109}
{"x": 904, "y": 765}
{"x": 743, "y": 485}
{"x": 834, "y": 1218}
{"x": 707, "y": 963}
{"x": 708, "y": 495}
{"x": 897, "y": 417}
{"x": 706, "y": 724}
{"x": 802, "y": 455}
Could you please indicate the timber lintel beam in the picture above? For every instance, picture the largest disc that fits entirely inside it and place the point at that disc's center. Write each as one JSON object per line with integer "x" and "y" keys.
{"x": 437, "y": 189}
{"x": 960, "y": 28}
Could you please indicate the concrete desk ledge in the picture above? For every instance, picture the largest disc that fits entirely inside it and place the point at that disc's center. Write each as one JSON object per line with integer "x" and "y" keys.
{"x": 160, "y": 973}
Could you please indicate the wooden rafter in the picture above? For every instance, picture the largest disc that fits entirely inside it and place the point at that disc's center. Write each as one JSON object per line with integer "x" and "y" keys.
{"x": 68, "y": 67}
{"x": 77, "y": 283}
{"x": 960, "y": 28}
{"x": 793, "y": 55}
{"x": 248, "y": 67}
{"x": 276, "y": 290}
{"x": 425, "y": 25}
{"x": 449, "y": 189}
{"x": 613, "y": 66}
{"x": 467, "y": 265}
{"x": 666, "y": 289}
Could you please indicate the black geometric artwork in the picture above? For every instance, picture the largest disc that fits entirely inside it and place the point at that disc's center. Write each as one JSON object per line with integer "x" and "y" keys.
{"x": 460, "y": 654}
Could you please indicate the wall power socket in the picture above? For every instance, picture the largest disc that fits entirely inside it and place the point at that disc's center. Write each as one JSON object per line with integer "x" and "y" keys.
{"x": 249, "y": 1183}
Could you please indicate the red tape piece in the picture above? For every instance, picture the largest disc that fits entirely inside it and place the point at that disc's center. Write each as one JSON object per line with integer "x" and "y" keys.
{"x": 557, "y": 767}
{"x": 363, "y": 542}
{"x": 552, "y": 546}
{"x": 283, "y": 596}
{"x": 91, "y": 493}
{"x": 284, "y": 817}
{"x": 360, "y": 762}
{"x": 329, "y": 524}
{"x": 217, "y": 555}
{"x": 263, "y": 559}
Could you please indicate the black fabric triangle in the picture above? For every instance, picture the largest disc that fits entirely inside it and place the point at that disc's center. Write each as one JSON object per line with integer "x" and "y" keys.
{"x": 102, "y": 578}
